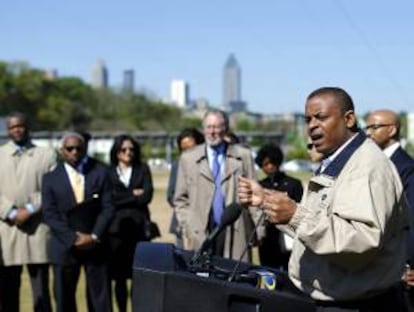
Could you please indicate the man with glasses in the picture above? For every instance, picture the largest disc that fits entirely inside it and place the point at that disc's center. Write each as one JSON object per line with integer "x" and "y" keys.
{"x": 77, "y": 207}
{"x": 23, "y": 235}
{"x": 207, "y": 184}
{"x": 383, "y": 126}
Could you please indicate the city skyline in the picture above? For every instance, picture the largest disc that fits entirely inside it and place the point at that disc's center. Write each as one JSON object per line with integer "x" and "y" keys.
{"x": 286, "y": 48}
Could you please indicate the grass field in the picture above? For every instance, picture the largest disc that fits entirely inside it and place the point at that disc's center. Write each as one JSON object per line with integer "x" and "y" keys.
{"x": 160, "y": 213}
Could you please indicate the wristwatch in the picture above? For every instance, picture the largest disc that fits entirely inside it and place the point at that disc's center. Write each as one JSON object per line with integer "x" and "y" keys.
{"x": 95, "y": 238}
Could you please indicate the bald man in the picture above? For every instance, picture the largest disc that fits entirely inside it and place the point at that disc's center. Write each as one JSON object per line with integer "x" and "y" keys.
{"x": 383, "y": 126}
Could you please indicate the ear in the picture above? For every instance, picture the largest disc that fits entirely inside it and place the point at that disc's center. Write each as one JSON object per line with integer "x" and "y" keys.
{"x": 392, "y": 131}
{"x": 350, "y": 119}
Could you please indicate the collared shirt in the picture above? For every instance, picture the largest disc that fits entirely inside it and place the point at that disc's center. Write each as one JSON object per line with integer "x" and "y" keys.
{"x": 124, "y": 175}
{"x": 71, "y": 172}
{"x": 221, "y": 157}
{"x": 389, "y": 150}
{"x": 325, "y": 162}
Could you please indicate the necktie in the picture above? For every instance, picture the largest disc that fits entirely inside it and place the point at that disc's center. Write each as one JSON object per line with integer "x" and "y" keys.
{"x": 218, "y": 198}
{"x": 77, "y": 186}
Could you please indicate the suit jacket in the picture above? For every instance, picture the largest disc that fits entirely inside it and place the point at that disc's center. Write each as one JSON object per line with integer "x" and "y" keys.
{"x": 404, "y": 163}
{"x": 20, "y": 183}
{"x": 59, "y": 206}
{"x": 131, "y": 209}
{"x": 194, "y": 193}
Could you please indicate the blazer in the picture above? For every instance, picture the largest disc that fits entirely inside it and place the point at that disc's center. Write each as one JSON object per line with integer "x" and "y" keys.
{"x": 126, "y": 204}
{"x": 194, "y": 193}
{"x": 405, "y": 167}
{"x": 59, "y": 206}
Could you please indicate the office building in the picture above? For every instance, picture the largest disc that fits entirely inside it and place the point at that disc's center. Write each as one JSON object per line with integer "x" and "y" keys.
{"x": 232, "y": 99}
{"x": 179, "y": 93}
{"x": 99, "y": 75}
{"x": 128, "y": 83}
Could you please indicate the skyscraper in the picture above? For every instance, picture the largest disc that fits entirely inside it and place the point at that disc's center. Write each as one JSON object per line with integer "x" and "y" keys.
{"x": 99, "y": 75}
{"x": 179, "y": 93}
{"x": 232, "y": 100}
{"x": 128, "y": 83}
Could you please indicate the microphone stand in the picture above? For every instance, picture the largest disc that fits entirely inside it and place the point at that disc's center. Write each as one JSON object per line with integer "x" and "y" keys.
{"x": 248, "y": 245}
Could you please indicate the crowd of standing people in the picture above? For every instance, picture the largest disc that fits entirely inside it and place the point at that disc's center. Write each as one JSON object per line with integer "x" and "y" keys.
{"x": 345, "y": 239}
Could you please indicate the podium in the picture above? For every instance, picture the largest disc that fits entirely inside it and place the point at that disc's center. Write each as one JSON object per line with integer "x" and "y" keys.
{"x": 164, "y": 282}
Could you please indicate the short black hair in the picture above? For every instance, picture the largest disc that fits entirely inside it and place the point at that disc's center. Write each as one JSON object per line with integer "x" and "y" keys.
{"x": 190, "y": 133}
{"x": 270, "y": 151}
{"x": 341, "y": 96}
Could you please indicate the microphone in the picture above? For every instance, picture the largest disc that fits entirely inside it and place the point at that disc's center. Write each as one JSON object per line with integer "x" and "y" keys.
{"x": 230, "y": 215}
{"x": 248, "y": 245}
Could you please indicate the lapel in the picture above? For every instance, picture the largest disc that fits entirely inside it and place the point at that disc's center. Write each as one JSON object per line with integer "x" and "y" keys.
{"x": 200, "y": 156}
{"x": 64, "y": 182}
{"x": 233, "y": 161}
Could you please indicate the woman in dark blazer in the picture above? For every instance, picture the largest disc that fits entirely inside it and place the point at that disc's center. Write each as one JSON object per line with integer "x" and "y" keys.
{"x": 132, "y": 192}
{"x": 272, "y": 249}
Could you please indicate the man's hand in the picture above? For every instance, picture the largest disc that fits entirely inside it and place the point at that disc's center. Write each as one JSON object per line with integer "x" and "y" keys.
{"x": 250, "y": 192}
{"x": 22, "y": 215}
{"x": 137, "y": 192}
{"x": 83, "y": 241}
{"x": 278, "y": 206}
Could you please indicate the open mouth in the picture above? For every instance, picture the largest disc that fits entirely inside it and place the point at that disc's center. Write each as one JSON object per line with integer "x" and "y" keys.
{"x": 316, "y": 139}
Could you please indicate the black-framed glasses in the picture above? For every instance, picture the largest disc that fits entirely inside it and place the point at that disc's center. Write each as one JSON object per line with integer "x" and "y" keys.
{"x": 376, "y": 126}
{"x": 72, "y": 148}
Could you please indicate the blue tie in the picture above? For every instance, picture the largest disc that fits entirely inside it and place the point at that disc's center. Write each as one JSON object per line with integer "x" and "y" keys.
{"x": 218, "y": 199}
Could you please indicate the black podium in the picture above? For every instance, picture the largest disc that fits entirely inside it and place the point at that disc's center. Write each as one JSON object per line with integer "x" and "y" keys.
{"x": 164, "y": 282}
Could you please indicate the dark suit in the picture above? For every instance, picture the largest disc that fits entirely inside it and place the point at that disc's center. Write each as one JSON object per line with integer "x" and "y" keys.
{"x": 405, "y": 166}
{"x": 65, "y": 218}
{"x": 131, "y": 216}
{"x": 271, "y": 251}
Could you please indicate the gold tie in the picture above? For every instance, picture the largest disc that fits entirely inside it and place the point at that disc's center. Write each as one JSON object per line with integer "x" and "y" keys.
{"x": 77, "y": 186}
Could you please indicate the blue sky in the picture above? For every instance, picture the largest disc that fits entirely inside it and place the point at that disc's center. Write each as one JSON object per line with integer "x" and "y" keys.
{"x": 286, "y": 48}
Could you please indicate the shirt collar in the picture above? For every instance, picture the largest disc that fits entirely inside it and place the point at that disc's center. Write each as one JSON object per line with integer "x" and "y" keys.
{"x": 389, "y": 150}
{"x": 343, "y": 153}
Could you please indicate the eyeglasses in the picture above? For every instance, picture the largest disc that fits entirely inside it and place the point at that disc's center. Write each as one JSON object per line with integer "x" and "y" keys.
{"x": 125, "y": 149}
{"x": 72, "y": 148}
{"x": 376, "y": 126}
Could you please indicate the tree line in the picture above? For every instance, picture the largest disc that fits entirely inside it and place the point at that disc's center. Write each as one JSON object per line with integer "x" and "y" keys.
{"x": 61, "y": 103}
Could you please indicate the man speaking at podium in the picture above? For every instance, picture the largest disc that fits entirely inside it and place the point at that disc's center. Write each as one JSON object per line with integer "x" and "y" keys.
{"x": 349, "y": 232}
{"x": 207, "y": 184}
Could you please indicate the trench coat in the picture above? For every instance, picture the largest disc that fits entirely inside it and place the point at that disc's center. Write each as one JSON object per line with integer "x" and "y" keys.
{"x": 194, "y": 194}
{"x": 20, "y": 183}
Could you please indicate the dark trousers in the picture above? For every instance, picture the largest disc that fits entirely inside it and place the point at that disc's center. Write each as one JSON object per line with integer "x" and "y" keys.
{"x": 97, "y": 287}
{"x": 10, "y": 280}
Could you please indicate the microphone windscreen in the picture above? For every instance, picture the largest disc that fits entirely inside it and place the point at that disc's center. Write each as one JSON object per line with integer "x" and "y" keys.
{"x": 230, "y": 214}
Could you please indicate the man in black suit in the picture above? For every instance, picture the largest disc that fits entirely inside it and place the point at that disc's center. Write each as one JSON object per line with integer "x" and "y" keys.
{"x": 77, "y": 207}
{"x": 383, "y": 126}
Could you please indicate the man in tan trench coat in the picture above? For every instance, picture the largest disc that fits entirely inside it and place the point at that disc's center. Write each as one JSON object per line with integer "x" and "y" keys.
{"x": 23, "y": 235}
{"x": 196, "y": 187}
